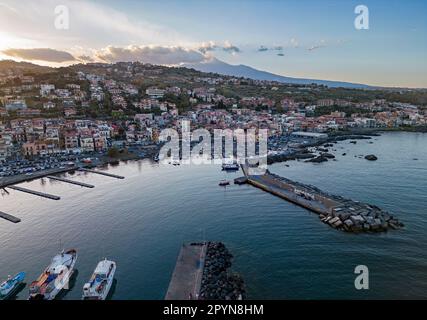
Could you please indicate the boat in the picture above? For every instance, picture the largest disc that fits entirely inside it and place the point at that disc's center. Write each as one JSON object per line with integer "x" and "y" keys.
{"x": 100, "y": 282}
{"x": 9, "y": 287}
{"x": 55, "y": 277}
{"x": 224, "y": 183}
{"x": 230, "y": 167}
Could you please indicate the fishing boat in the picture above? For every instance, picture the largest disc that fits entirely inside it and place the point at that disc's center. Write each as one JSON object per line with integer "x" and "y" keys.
{"x": 9, "y": 287}
{"x": 224, "y": 183}
{"x": 55, "y": 277}
{"x": 230, "y": 167}
{"x": 100, "y": 282}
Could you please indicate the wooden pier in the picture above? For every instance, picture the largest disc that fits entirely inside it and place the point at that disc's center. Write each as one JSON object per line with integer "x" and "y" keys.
{"x": 36, "y": 193}
{"x": 9, "y": 217}
{"x": 102, "y": 173}
{"x": 78, "y": 183}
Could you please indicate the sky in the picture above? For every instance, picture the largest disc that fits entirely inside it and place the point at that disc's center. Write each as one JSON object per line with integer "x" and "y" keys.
{"x": 314, "y": 39}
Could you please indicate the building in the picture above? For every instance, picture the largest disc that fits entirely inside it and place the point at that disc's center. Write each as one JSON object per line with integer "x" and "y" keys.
{"x": 46, "y": 89}
{"x": 15, "y": 105}
{"x": 309, "y": 135}
{"x": 71, "y": 140}
{"x": 155, "y": 93}
{"x": 35, "y": 148}
{"x": 87, "y": 143}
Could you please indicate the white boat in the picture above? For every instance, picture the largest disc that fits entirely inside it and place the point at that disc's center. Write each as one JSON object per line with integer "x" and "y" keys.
{"x": 9, "y": 287}
{"x": 230, "y": 167}
{"x": 55, "y": 277}
{"x": 224, "y": 183}
{"x": 100, "y": 282}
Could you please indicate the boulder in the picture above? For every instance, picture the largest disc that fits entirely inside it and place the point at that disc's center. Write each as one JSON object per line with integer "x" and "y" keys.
{"x": 371, "y": 157}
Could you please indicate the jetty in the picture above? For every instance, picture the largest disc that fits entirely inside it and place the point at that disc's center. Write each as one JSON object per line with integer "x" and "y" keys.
{"x": 338, "y": 212}
{"x": 9, "y": 217}
{"x": 36, "y": 193}
{"x": 187, "y": 276}
{"x": 102, "y": 173}
{"x": 201, "y": 273}
{"x": 78, "y": 183}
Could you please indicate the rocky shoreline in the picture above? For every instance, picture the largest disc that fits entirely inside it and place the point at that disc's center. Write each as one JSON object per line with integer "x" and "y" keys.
{"x": 217, "y": 282}
{"x": 303, "y": 152}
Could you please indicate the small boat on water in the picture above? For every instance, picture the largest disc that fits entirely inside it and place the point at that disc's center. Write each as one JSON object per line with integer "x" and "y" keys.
{"x": 9, "y": 287}
{"x": 101, "y": 281}
{"x": 55, "y": 277}
{"x": 230, "y": 167}
{"x": 224, "y": 183}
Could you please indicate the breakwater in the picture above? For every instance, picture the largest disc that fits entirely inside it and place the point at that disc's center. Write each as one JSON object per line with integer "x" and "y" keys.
{"x": 217, "y": 282}
{"x": 338, "y": 212}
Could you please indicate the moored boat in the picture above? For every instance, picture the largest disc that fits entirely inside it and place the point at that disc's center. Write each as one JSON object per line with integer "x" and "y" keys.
{"x": 55, "y": 277}
{"x": 224, "y": 183}
{"x": 100, "y": 282}
{"x": 9, "y": 287}
{"x": 230, "y": 167}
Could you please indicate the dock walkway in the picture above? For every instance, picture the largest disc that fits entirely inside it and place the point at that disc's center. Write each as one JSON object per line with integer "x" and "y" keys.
{"x": 187, "y": 277}
{"x": 36, "y": 193}
{"x": 78, "y": 183}
{"x": 102, "y": 173}
{"x": 9, "y": 217}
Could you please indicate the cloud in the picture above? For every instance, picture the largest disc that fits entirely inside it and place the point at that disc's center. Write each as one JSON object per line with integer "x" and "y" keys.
{"x": 230, "y": 48}
{"x": 85, "y": 58}
{"x": 321, "y": 44}
{"x": 150, "y": 54}
{"x": 40, "y": 54}
{"x": 92, "y": 24}
{"x": 206, "y": 47}
{"x": 294, "y": 43}
{"x": 277, "y": 49}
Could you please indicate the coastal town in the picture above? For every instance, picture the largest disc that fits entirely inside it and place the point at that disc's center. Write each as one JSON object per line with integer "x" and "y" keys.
{"x": 95, "y": 110}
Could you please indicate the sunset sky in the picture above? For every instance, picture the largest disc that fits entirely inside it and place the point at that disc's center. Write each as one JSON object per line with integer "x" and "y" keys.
{"x": 309, "y": 38}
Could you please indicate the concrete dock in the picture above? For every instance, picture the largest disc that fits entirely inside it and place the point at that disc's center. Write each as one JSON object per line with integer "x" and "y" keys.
{"x": 9, "y": 217}
{"x": 102, "y": 173}
{"x": 338, "y": 212}
{"x": 36, "y": 193}
{"x": 78, "y": 183}
{"x": 187, "y": 276}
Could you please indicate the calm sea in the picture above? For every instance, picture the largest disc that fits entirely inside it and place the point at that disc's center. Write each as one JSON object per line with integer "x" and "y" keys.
{"x": 282, "y": 251}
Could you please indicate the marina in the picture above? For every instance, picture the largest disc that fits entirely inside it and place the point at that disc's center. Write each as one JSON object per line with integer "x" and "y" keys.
{"x": 275, "y": 243}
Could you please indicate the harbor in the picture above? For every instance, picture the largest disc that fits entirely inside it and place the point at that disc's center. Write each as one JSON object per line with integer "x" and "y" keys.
{"x": 11, "y": 183}
{"x": 276, "y": 244}
{"x": 338, "y": 212}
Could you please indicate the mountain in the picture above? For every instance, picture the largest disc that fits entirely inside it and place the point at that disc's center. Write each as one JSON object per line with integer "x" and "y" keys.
{"x": 217, "y": 66}
{"x": 25, "y": 67}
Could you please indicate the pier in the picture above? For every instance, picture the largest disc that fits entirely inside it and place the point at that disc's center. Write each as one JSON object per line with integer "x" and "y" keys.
{"x": 9, "y": 217}
{"x": 338, "y": 212}
{"x": 36, "y": 193}
{"x": 102, "y": 173}
{"x": 81, "y": 184}
{"x": 187, "y": 276}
